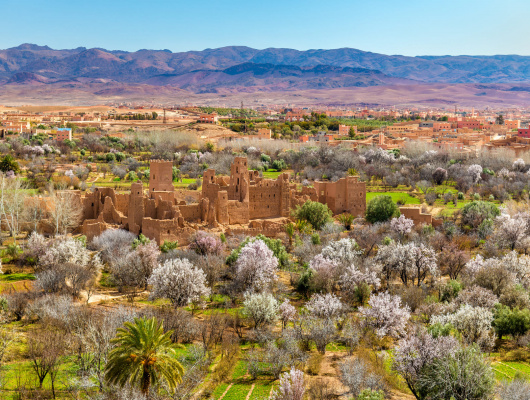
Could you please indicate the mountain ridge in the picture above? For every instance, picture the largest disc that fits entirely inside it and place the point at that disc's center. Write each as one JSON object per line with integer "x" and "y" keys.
{"x": 137, "y": 66}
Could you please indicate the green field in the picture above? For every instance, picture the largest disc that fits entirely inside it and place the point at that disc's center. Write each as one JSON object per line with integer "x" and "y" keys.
{"x": 508, "y": 369}
{"x": 396, "y": 196}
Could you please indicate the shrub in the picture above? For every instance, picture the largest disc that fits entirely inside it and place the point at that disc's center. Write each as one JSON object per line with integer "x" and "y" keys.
{"x": 204, "y": 243}
{"x": 369, "y": 394}
{"x": 317, "y": 214}
{"x": 168, "y": 245}
{"x": 313, "y": 364}
{"x": 476, "y": 212}
{"x": 511, "y": 322}
{"x": 450, "y": 290}
{"x": 381, "y": 209}
{"x": 444, "y": 378}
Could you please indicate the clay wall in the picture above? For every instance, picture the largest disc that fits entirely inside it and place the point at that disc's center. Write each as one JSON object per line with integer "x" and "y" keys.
{"x": 419, "y": 218}
{"x": 190, "y": 212}
{"x": 161, "y": 176}
{"x": 347, "y": 195}
{"x": 238, "y": 213}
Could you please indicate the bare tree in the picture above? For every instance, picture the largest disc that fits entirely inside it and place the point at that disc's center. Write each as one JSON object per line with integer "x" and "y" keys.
{"x": 12, "y": 197}
{"x": 65, "y": 213}
{"x": 44, "y": 352}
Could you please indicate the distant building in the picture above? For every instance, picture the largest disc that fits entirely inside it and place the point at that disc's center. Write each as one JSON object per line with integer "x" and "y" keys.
{"x": 63, "y": 134}
{"x": 293, "y": 116}
{"x": 212, "y": 118}
{"x": 344, "y": 130}
{"x": 512, "y": 124}
{"x": 523, "y": 132}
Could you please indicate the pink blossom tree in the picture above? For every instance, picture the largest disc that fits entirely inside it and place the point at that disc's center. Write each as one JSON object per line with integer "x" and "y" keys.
{"x": 402, "y": 225}
{"x": 325, "y": 272}
{"x": 204, "y": 243}
{"x": 292, "y": 386}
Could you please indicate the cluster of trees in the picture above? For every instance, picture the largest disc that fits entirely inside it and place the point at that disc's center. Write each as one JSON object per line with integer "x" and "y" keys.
{"x": 377, "y": 286}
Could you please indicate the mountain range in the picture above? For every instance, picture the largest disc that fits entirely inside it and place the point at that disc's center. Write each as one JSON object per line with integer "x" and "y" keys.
{"x": 238, "y": 69}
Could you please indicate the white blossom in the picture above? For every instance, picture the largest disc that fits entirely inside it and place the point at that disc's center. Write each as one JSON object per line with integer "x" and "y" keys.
{"x": 386, "y": 315}
{"x": 262, "y": 308}
{"x": 510, "y": 230}
{"x": 179, "y": 281}
{"x": 414, "y": 352}
{"x": 287, "y": 312}
{"x": 256, "y": 266}
{"x": 519, "y": 164}
{"x": 326, "y": 306}
{"x": 473, "y": 322}
{"x": 343, "y": 252}
{"x": 325, "y": 272}
{"x": 409, "y": 261}
{"x": 65, "y": 250}
{"x": 475, "y": 172}
{"x": 474, "y": 266}
{"x": 353, "y": 277}
{"x": 401, "y": 225}
{"x": 292, "y": 386}
{"x": 37, "y": 244}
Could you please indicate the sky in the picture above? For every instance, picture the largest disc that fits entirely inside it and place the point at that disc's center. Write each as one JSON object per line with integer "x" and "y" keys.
{"x": 407, "y": 27}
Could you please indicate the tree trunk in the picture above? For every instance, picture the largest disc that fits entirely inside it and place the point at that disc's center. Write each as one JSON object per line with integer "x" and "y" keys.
{"x": 146, "y": 382}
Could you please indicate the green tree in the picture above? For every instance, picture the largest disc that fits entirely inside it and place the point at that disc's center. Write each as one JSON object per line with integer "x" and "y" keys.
{"x": 110, "y": 157}
{"x": 476, "y": 212}
{"x": 514, "y": 322}
{"x": 381, "y": 209}
{"x": 499, "y": 120}
{"x": 317, "y": 214}
{"x": 464, "y": 375}
{"x": 144, "y": 355}
{"x": 8, "y": 163}
{"x": 176, "y": 174}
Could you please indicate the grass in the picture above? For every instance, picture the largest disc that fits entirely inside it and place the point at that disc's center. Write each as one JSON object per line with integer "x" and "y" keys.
{"x": 240, "y": 370}
{"x": 238, "y": 391}
{"x": 273, "y": 174}
{"x": 22, "y": 372}
{"x": 261, "y": 391}
{"x": 16, "y": 277}
{"x": 508, "y": 369}
{"x": 219, "y": 390}
{"x": 396, "y": 196}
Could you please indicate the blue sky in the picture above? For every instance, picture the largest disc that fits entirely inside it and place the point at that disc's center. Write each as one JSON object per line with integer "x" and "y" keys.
{"x": 408, "y": 27}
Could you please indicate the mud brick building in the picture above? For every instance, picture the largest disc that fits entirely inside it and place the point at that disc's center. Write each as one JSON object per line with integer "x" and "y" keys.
{"x": 242, "y": 203}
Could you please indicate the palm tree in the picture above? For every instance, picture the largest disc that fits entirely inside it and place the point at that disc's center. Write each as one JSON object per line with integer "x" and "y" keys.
{"x": 143, "y": 356}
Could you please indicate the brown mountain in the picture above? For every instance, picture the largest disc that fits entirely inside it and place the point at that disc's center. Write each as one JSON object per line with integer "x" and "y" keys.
{"x": 239, "y": 69}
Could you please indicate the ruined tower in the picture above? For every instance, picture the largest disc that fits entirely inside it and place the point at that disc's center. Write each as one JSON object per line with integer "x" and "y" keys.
{"x": 239, "y": 180}
{"x": 161, "y": 176}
